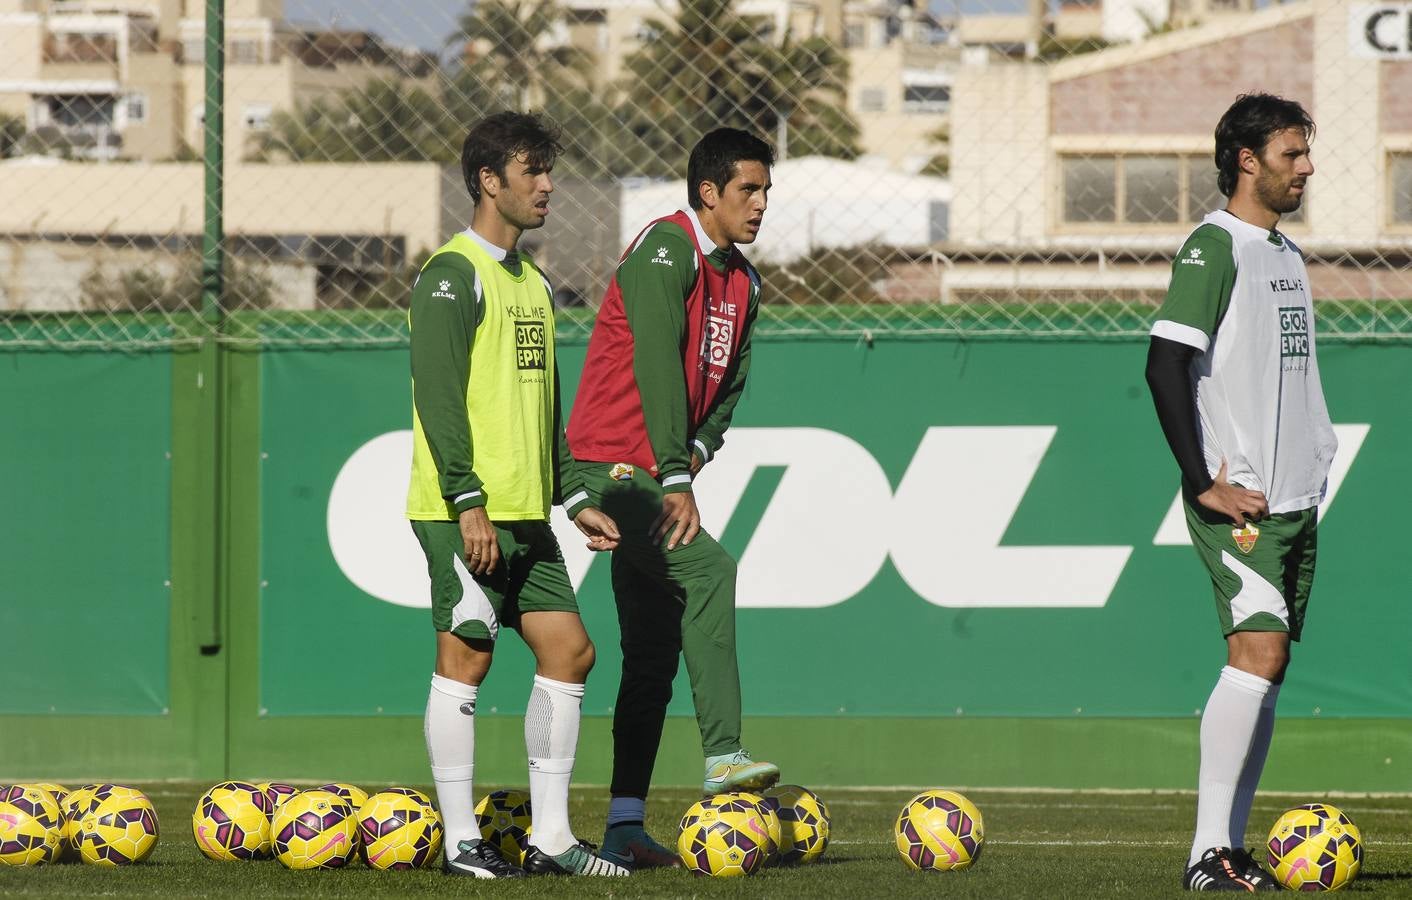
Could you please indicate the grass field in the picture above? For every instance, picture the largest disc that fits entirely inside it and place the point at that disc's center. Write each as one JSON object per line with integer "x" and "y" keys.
{"x": 1038, "y": 844}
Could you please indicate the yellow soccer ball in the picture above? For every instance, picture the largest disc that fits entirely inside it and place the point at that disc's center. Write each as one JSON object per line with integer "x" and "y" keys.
{"x": 804, "y": 823}
{"x": 770, "y": 816}
{"x": 1314, "y": 847}
{"x": 938, "y": 831}
{"x": 31, "y": 826}
{"x": 399, "y": 829}
{"x": 278, "y": 792}
{"x": 76, "y": 805}
{"x": 315, "y": 830}
{"x": 724, "y": 837}
{"x": 353, "y": 795}
{"x": 120, "y": 830}
{"x": 232, "y": 822}
{"x": 504, "y": 820}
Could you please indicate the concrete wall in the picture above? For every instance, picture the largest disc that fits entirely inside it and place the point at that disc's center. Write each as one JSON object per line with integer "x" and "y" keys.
{"x": 999, "y": 158}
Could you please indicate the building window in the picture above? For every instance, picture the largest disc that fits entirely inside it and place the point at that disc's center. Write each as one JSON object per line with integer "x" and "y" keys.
{"x": 1142, "y": 189}
{"x": 193, "y": 51}
{"x": 257, "y": 117}
{"x": 926, "y": 98}
{"x": 1152, "y": 189}
{"x": 1399, "y": 168}
{"x": 1090, "y": 188}
{"x": 872, "y": 99}
{"x": 244, "y": 53}
{"x": 136, "y": 109}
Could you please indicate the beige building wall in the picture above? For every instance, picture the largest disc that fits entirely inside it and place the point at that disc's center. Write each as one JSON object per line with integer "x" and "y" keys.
{"x": 21, "y": 47}
{"x": 157, "y": 77}
{"x": 999, "y": 154}
{"x": 894, "y": 133}
{"x": 391, "y": 199}
{"x": 1346, "y": 193}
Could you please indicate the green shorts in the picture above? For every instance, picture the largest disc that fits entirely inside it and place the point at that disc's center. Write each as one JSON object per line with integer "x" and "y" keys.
{"x": 529, "y": 578}
{"x": 1262, "y": 573}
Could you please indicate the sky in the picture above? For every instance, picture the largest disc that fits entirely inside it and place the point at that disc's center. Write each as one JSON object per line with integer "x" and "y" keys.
{"x": 426, "y": 23}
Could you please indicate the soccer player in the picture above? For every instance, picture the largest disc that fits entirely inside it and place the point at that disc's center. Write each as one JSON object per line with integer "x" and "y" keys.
{"x": 488, "y": 458}
{"x": 1235, "y": 381}
{"x": 666, "y": 365}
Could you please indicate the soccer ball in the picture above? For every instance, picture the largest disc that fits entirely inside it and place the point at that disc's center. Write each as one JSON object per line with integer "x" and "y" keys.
{"x": 398, "y": 829}
{"x": 278, "y": 792}
{"x": 120, "y": 830}
{"x": 938, "y": 831}
{"x": 232, "y": 821}
{"x": 771, "y": 818}
{"x": 804, "y": 823}
{"x": 504, "y": 819}
{"x": 353, "y": 795}
{"x": 31, "y": 826}
{"x": 75, "y": 806}
{"x": 57, "y": 791}
{"x": 1314, "y": 847}
{"x": 723, "y": 836}
{"x": 314, "y": 830}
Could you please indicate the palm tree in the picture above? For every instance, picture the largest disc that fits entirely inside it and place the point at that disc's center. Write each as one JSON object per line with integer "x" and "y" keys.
{"x": 380, "y": 121}
{"x": 508, "y": 44}
{"x": 711, "y": 67}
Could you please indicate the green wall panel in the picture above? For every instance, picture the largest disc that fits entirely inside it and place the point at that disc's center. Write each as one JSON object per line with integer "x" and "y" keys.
{"x": 85, "y": 603}
{"x": 1048, "y": 444}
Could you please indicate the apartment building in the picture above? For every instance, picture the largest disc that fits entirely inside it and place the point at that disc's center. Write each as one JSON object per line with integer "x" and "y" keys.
{"x": 124, "y": 79}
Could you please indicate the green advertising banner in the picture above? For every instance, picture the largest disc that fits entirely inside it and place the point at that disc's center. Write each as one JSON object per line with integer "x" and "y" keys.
{"x": 85, "y": 611}
{"x": 935, "y": 528}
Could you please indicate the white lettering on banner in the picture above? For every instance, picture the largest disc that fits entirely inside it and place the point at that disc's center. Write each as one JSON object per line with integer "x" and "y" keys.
{"x": 1172, "y": 532}
{"x": 831, "y": 524}
{"x": 952, "y": 508}
{"x": 824, "y": 535}
{"x": 1380, "y": 30}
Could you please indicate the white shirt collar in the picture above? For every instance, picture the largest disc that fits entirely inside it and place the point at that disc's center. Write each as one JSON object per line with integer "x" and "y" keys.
{"x": 707, "y": 245}
{"x": 496, "y": 253}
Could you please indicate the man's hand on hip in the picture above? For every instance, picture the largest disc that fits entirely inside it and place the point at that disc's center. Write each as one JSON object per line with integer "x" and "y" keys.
{"x": 1232, "y": 500}
{"x": 679, "y": 518}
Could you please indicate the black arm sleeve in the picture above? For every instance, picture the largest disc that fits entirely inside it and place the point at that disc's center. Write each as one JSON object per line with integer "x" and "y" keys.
{"x": 1169, "y": 379}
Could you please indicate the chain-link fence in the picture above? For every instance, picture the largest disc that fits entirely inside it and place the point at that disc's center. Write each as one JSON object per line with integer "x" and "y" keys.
{"x": 977, "y": 167}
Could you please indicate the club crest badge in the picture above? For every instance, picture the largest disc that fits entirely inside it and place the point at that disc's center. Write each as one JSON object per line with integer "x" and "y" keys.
{"x": 1246, "y": 537}
{"x": 621, "y": 472}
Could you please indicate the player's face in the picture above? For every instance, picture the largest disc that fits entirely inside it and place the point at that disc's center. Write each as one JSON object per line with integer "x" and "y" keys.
{"x": 522, "y": 197}
{"x": 740, "y": 206}
{"x": 1283, "y": 168}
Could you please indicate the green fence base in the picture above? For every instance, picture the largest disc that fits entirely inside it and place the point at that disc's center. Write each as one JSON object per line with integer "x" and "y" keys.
{"x": 1311, "y": 755}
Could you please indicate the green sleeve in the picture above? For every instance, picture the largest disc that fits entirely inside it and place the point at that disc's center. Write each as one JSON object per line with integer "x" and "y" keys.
{"x": 655, "y": 279}
{"x": 711, "y": 435}
{"x": 444, "y": 315}
{"x": 569, "y": 490}
{"x": 1203, "y": 275}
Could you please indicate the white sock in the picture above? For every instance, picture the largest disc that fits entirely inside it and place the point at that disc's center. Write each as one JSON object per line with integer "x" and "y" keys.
{"x": 551, "y": 738}
{"x": 627, "y": 809}
{"x": 451, "y": 747}
{"x": 1254, "y": 764}
{"x": 1227, "y": 730}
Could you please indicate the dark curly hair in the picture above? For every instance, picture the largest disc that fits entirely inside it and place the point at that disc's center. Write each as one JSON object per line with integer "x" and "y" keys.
{"x": 1250, "y": 122}
{"x": 497, "y": 139}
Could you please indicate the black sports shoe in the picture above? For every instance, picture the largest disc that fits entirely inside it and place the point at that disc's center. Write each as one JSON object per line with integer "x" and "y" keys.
{"x": 580, "y": 859}
{"x": 1254, "y": 872}
{"x": 1217, "y": 871}
{"x": 480, "y": 859}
